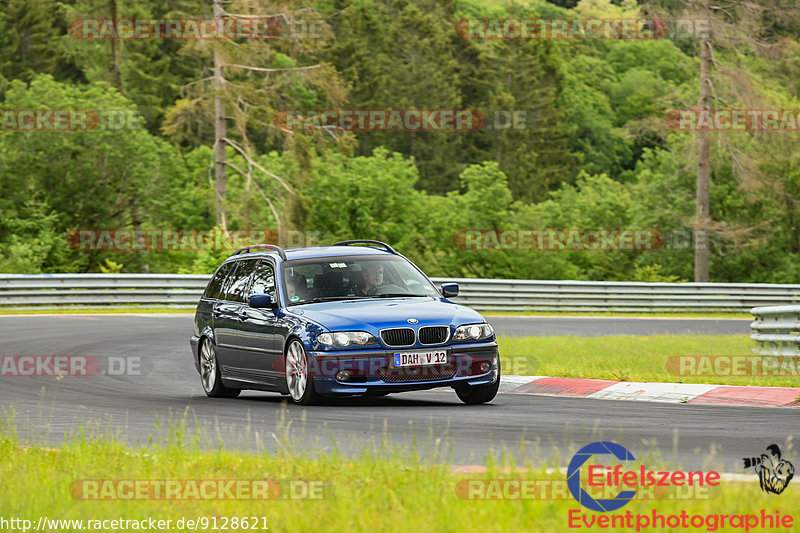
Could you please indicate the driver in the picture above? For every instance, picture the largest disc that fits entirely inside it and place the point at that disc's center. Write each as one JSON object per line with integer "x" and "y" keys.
{"x": 373, "y": 277}
{"x": 293, "y": 290}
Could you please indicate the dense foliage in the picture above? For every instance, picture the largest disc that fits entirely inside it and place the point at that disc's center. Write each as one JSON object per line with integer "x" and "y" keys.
{"x": 595, "y": 152}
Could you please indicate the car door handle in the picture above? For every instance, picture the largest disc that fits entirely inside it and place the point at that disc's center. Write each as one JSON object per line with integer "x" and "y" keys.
{"x": 216, "y": 313}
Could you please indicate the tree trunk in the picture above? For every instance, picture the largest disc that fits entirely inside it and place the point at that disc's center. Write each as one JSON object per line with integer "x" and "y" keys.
{"x": 116, "y": 75}
{"x": 221, "y": 180}
{"x": 702, "y": 219}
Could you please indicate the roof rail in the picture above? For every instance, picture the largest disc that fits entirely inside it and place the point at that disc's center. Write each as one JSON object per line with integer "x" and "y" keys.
{"x": 361, "y": 241}
{"x": 261, "y": 246}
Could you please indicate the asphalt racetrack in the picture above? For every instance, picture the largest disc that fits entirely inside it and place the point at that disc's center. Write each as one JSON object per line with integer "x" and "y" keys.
{"x": 163, "y": 391}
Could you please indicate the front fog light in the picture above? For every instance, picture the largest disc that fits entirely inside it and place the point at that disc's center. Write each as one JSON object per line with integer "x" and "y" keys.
{"x": 485, "y": 367}
{"x": 343, "y": 375}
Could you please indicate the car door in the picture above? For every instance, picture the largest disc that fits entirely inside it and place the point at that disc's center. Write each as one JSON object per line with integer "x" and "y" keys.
{"x": 227, "y": 314}
{"x": 262, "y": 349}
{"x": 216, "y": 294}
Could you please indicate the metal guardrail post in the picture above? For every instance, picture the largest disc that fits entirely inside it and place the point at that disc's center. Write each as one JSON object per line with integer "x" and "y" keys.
{"x": 776, "y": 330}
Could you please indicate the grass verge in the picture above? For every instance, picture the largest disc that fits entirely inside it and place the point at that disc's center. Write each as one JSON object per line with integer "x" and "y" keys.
{"x": 386, "y": 489}
{"x": 614, "y": 314}
{"x": 631, "y": 358}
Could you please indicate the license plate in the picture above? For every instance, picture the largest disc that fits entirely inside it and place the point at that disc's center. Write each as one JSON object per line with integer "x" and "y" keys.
{"x": 402, "y": 359}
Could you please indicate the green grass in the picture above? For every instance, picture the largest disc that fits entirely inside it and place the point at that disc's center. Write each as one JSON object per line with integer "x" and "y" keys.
{"x": 626, "y": 358}
{"x": 381, "y": 488}
{"x": 660, "y": 314}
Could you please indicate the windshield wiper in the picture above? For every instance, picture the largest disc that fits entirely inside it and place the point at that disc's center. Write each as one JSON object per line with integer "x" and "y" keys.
{"x": 399, "y": 295}
{"x": 333, "y": 298}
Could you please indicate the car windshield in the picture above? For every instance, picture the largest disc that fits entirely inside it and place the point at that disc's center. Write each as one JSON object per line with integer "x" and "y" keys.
{"x": 351, "y": 277}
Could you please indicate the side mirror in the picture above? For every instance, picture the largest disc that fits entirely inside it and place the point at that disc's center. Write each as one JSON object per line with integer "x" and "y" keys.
{"x": 262, "y": 301}
{"x": 449, "y": 290}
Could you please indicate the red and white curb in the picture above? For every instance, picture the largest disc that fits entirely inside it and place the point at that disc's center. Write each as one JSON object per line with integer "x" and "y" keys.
{"x": 694, "y": 393}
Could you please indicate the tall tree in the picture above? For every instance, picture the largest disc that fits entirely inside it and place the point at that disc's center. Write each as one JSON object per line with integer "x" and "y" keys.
{"x": 401, "y": 54}
{"x": 737, "y": 28}
{"x": 220, "y": 176}
{"x": 29, "y": 41}
{"x": 103, "y": 177}
{"x": 253, "y": 79}
{"x": 149, "y": 71}
{"x": 701, "y": 225}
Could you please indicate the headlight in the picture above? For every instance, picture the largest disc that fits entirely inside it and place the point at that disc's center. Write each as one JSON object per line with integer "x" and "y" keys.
{"x": 473, "y": 332}
{"x": 340, "y": 339}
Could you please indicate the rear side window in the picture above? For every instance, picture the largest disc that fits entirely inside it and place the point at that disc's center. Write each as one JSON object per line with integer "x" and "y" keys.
{"x": 214, "y": 288}
{"x": 240, "y": 280}
{"x": 264, "y": 279}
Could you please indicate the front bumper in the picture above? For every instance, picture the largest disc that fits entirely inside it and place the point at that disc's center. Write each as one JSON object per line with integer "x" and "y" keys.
{"x": 372, "y": 371}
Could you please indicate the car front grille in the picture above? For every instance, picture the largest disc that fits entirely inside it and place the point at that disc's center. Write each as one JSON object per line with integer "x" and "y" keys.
{"x": 418, "y": 373}
{"x": 398, "y": 337}
{"x": 433, "y": 334}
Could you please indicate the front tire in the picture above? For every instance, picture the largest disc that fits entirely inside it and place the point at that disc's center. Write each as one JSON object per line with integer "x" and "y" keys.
{"x": 210, "y": 373}
{"x": 481, "y": 393}
{"x": 298, "y": 378}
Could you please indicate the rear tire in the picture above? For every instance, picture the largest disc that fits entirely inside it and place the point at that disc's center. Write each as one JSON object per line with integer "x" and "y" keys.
{"x": 210, "y": 374}
{"x": 479, "y": 394}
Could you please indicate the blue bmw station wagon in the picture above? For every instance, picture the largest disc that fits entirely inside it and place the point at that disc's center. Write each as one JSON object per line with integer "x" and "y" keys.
{"x": 355, "y": 318}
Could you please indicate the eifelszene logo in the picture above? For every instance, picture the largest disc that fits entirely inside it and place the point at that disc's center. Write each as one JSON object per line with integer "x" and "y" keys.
{"x": 774, "y": 472}
{"x": 574, "y": 476}
{"x": 618, "y": 477}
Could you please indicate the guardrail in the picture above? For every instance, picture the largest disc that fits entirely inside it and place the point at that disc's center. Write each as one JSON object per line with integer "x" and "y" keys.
{"x": 184, "y": 290}
{"x": 101, "y": 290}
{"x": 534, "y": 295}
{"x": 776, "y": 330}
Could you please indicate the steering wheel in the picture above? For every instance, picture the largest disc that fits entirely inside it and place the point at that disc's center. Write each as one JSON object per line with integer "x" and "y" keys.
{"x": 390, "y": 288}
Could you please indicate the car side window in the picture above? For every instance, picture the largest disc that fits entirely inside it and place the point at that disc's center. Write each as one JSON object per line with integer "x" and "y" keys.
{"x": 214, "y": 288}
{"x": 235, "y": 292}
{"x": 264, "y": 279}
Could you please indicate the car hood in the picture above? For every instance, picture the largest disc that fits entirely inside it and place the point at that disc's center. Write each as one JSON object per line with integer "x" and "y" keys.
{"x": 376, "y": 314}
